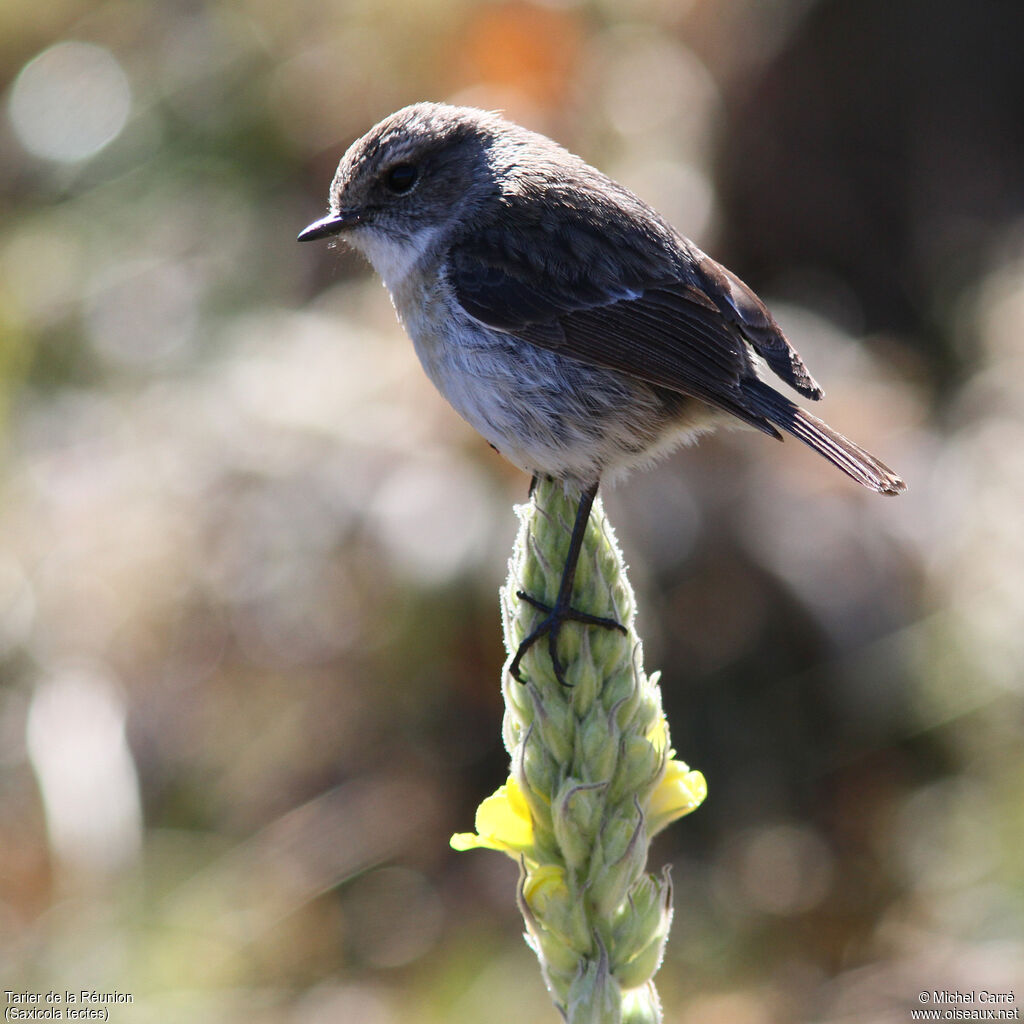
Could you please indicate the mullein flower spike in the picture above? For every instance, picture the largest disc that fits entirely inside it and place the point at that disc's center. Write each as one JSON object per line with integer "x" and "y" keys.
{"x": 592, "y": 777}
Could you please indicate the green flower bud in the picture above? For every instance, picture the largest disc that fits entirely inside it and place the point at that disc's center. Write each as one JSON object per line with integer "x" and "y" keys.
{"x": 645, "y": 964}
{"x": 559, "y": 959}
{"x": 585, "y": 681}
{"x": 597, "y": 740}
{"x": 553, "y": 722}
{"x": 576, "y": 817}
{"x": 520, "y": 707}
{"x": 622, "y": 834}
{"x": 618, "y": 861}
{"x": 539, "y": 770}
{"x": 644, "y": 921}
{"x": 622, "y": 695}
{"x": 594, "y": 994}
{"x": 607, "y": 652}
{"x": 640, "y": 765}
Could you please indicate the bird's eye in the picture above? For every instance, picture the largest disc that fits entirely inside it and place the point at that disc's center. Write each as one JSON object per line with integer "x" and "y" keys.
{"x": 401, "y": 178}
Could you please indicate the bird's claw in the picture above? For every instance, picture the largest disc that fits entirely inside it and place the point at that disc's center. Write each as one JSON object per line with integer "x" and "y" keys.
{"x": 550, "y": 626}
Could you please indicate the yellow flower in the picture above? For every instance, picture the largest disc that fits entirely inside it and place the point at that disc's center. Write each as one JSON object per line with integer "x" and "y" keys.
{"x": 679, "y": 792}
{"x": 502, "y": 823}
{"x": 545, "y": 890}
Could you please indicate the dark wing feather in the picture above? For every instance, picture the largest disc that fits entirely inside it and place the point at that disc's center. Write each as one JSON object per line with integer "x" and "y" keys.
{"x": 678, "y": 352}
{"x": 537, "y": 264}
{"x": 758, "y": 326}
{"x": 636, "y": 302}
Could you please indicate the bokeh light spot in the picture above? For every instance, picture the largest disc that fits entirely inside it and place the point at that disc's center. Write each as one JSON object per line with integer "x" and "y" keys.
{"x": 87, "y": 779}
{"x": 785, "y": 869}
{"x": 69, "y": 102}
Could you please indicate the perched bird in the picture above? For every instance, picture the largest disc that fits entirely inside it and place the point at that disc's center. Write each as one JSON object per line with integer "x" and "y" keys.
{"x": 559, "y": 314}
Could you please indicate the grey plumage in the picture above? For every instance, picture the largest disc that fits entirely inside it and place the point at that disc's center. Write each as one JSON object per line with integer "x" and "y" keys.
{"x": 560, "y": 315}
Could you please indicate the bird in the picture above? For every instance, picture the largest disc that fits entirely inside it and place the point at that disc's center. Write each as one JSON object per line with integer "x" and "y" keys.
{"x": 562, "y": 316}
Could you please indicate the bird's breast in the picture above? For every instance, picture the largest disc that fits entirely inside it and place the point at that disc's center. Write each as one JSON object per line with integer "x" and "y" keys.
{"x": 543, "y": 411}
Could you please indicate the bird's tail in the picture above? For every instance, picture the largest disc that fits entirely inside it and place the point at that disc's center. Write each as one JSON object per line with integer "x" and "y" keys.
{"x": 862, "y": 466}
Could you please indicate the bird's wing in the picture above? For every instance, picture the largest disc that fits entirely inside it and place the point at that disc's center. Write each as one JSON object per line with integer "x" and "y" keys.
{"x": 646, "y": 303}
{"x": 650, "y": 305}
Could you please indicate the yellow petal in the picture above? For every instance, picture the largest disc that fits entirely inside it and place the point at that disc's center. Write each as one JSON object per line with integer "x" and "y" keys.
{"x": 502, "y": 823}
{"x": 679, "y": 792}
{"x": 463, "y": 841}
{"x": 545, "y": 888}
{"x": 658, "y": 733}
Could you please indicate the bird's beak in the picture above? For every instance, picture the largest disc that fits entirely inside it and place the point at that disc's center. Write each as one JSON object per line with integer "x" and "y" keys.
{"x": 332, "y": 224}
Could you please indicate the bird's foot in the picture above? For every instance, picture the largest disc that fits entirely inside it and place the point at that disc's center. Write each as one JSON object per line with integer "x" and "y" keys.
{"x": 550, "y": 626}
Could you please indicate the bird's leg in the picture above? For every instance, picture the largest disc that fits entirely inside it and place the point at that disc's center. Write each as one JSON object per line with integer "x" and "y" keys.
{"x": 562, "y": 610}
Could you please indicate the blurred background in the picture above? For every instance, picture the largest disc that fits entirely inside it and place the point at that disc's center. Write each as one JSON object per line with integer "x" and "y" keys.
{"x": 249, "y": 560}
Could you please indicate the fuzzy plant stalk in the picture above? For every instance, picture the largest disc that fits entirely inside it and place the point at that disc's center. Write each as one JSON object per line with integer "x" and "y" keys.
{"x": 592, "y": 776}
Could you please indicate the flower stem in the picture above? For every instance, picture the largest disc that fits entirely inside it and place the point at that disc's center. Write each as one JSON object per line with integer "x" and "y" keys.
{"x": 592, "y": 776}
